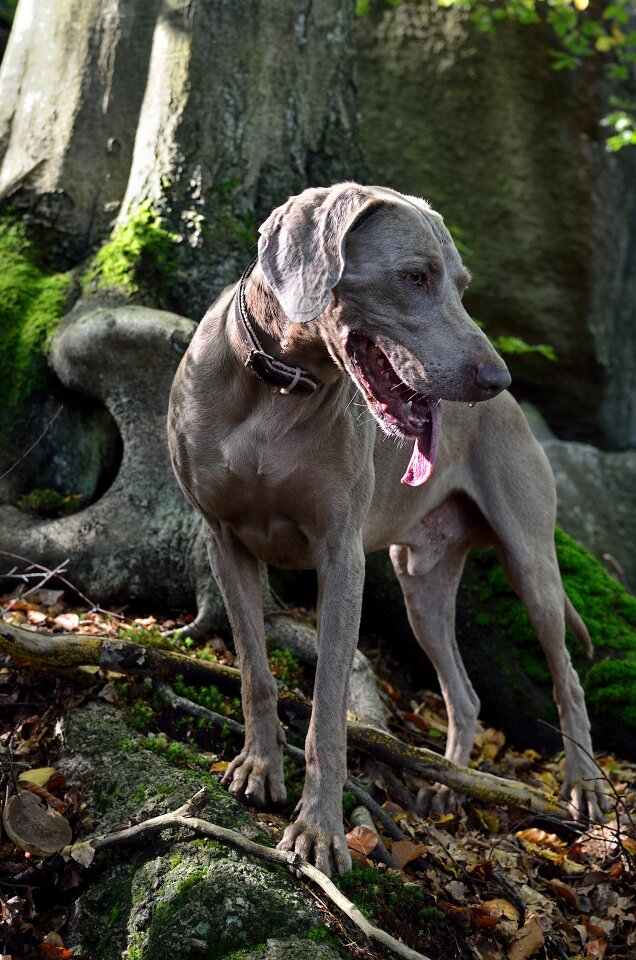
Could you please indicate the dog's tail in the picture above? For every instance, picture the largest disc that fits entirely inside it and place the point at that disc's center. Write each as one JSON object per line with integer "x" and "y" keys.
{"x": 578, "y": 628}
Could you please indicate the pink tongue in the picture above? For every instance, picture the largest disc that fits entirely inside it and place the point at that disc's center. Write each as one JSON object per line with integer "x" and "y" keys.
{"x": 420, "y": 467}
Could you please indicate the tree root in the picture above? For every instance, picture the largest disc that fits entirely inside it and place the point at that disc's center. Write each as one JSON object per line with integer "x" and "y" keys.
{"x": 69, "y": 650}
{"x": 184, "y": 817}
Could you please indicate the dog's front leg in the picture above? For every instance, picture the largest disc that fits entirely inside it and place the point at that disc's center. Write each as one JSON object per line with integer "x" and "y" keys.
{"x": 257, "y": 773}
{"x": 317, "y": 834}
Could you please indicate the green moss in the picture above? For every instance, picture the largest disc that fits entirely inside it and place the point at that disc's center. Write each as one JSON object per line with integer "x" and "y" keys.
{"x": 349, "y": 803}
{"x": 284, "y": 666}
{"x": 139, "y": 258}
{"x": 32, "y": 301}
{"x": 405, "y": 910}
{"x": 50, "y": 503}
{"x": 607, "y": 609}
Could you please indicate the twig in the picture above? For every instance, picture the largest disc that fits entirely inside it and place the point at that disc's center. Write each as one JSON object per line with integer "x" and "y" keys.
{"x": 126, "y": 657}
{"x": 94, "y": 607}
{"x": 33, "y": 445}
{"x": 183, "y": 817}
{"x": 25, "y": 576}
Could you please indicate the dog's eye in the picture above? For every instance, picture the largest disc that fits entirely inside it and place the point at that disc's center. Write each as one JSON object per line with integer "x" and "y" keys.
{"x": 419, "y": 279}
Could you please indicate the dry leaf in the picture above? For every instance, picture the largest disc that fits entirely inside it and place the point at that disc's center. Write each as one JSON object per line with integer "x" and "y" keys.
{"x": 67, "y": 621}
{"x": 528, "y": 940}
{"x": 595, "y": 948}
{"x": 362, "y": 839}
{"x": 403, "y": 851}
{"x": 533, "y": 837}
{"x": 501, "y": 908}
{"x": 83, "y": 853}
{"x": 220, "y": 766}
{"x": 40, "y": 775}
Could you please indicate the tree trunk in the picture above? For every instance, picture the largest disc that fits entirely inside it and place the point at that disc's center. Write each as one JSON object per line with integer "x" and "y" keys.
{"x": 71, "y": 85}
{"x": 211, "y": 112}
{"x": 234, "y": 119}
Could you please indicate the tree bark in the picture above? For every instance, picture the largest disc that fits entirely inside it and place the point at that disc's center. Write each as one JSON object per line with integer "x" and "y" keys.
{"x": 71, "y": 85}
{"x": 213, "y": 112}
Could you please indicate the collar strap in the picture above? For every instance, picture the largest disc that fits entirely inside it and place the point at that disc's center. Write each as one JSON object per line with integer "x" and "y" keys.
{"x": 270, "y": 370}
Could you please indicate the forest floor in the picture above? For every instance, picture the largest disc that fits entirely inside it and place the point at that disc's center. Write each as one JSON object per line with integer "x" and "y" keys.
{"x": 480, "y": 882}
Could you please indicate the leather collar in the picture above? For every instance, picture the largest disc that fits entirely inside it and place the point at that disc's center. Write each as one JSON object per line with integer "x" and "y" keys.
{"x": 274, "y": 372}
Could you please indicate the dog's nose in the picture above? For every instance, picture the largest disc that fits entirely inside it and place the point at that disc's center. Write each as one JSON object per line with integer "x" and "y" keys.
{"x": 492, "y": 378}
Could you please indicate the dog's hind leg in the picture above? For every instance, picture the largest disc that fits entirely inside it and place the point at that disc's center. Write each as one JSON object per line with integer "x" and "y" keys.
{"x": 533, "y": 572}
{"x": 429, "y": 569}
{"x": 257, "y": 773}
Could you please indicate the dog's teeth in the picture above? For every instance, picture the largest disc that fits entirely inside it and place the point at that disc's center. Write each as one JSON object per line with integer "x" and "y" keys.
{"x": 407, "y": 406}
{"x": 386, "y": 375}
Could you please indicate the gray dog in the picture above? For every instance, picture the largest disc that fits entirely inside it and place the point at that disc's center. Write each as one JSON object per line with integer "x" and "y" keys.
{"x": 356, "y": 296}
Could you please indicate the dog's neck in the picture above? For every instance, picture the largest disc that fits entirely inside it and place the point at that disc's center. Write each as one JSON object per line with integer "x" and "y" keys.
{"x": 302, "y": 345}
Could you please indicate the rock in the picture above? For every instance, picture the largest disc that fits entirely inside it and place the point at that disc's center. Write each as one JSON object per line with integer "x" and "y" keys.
{"x": 596, "y": 497}
{"x": 174, "y": 897}
{"x": 511, "y": 153}
{"x": 597, "y": 502}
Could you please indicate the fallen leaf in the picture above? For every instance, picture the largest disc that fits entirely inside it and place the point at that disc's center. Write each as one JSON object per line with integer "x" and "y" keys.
{"x": 362, "y": 839}
{"x": 220, "y": 766}
{"x": 483, "y": 918}
{"x": 501, "y": 908}
{"x": 528, "y": 940}
{"x": 83, "y": 853}
{"x": 534, "y": 837}
{"x": 67, "y": 621}
{"x": 595, "y": 948}
{"x": 403, "y": 851}
{"x": 457, "y": 889}
{"x": 42, "y": 776}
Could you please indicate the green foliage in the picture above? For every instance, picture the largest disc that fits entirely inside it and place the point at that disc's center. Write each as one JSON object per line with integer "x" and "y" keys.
{"x": 32, "y": 302}
{"x": 139, "y": 258}
{"x": 50, "y": 503}
{"x": 515, "y": 345}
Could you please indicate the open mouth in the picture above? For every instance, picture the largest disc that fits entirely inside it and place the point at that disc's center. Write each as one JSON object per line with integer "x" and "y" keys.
{"x": 400, "y": 410}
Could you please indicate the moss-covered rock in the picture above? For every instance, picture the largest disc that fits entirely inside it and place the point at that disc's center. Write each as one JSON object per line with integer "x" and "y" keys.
{"x": 175, "y": 897}
{"x": 503, "y": 656}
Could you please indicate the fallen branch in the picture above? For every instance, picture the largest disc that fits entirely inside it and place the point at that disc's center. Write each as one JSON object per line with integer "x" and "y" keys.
{"x": 183, "y": 817}
{"x": 67, "y": 650}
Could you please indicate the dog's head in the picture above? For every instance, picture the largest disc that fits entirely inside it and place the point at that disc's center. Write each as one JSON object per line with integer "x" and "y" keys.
{"x": 379, "y": 273}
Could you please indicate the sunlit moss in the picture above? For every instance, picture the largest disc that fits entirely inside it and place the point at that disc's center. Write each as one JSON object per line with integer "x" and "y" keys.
{"x": 32, "y": 301}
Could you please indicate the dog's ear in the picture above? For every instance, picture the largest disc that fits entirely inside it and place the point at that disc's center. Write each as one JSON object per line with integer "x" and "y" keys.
{"x": 301, "y": 248}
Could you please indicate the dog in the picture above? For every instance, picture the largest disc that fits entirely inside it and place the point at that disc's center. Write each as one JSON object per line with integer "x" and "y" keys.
{"x": 356, "y": 299}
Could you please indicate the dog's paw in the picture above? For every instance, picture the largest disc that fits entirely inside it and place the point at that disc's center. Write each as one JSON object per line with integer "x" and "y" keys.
{"x": 319, "y": 843}
{"x": 259, "y": 780}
